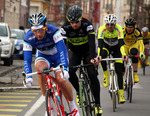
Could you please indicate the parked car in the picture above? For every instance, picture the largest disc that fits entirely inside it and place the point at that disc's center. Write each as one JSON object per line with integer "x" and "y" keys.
{"x": 0, "y": 50}
{"x": 34, "y": 49}
{"x": 26, "y": 30}
{"x": 7, "y": 44}
{"x": 18, "y": 42}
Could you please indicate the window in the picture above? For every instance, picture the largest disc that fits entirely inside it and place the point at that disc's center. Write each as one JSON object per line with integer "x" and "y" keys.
{"x": 62, "y": 7}
{"x": 3, "y": 31}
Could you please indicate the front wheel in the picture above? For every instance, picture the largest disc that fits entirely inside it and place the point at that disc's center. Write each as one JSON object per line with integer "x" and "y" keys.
{"x": 130, "y": 84}
{"x": 113, "y": 92}
{"x": 52, "y": 106}
{"x": 85, "y": 102}
{"x": 143, "y": 66}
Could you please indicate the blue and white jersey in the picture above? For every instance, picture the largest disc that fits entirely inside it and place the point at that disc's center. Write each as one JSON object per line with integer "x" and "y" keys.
{"x": 52, "y": 44}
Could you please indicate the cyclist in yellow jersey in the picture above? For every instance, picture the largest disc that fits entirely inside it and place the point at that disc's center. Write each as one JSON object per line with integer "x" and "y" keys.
{"x": 110, "y": 39}
{"x": 146, "y": 36}
{"x": 133, "y": 44}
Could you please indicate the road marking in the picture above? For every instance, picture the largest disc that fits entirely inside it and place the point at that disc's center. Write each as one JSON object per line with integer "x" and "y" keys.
{"x": 7, "y": 115}
{"x": 31, "y": 91}
{"x": 17, "y": 97}
{"x": 16, "y": 105}
{"x": 35, "y": 106}
{"x": 11, "y": 110}
{"x": 19, "y": 93}
{"x": 15, "y": 100}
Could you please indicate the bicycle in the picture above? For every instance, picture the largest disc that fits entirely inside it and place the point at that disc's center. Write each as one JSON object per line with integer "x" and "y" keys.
{"x": 85, "y": 95}
{"x": 128, "y": 77}
{"x": 113, "y": 86}
{"x": 143, "y": 63}
{"x": 53, "y": 97}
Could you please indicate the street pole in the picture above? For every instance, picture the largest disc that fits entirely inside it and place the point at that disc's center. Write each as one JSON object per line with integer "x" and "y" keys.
{"x": 130, "y": 8}
{"x": 118, "y": 11}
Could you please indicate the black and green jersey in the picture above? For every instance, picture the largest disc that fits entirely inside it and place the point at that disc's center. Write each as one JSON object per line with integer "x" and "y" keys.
{"x": 78, "y": 40}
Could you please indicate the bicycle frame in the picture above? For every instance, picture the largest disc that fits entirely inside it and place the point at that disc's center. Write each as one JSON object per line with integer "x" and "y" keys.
{"x": 126, "y": 75}
{"x": 53, "y": 89}
{"x": 129, "y": 79}
{"x": 113, "y": 86}
{"x": 113, "y": 78}
{"x": 56, "y": 94}
{"x": 84, "y": 90}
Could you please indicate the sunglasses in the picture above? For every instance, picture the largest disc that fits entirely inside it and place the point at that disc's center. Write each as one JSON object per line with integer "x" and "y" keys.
{"x": 74, "y": 21}
{"x": 38, "y": 30}
{"x": 130, "y": 27}
{"x": 110, "y": 24}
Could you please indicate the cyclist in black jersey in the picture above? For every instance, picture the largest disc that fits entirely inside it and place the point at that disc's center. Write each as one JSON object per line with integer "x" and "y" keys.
{"x": 80, "y": 36}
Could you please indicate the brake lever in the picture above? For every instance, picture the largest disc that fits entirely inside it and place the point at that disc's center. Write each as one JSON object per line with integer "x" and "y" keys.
{"x": 62, "y": 69}
{"x": 24, "y": 80}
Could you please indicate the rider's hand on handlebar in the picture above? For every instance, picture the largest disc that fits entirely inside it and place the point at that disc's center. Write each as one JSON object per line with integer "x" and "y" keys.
{"x": 28, "y": 82}
{"x": 125, "y": 58}
{"x": 142, "y": 56}
{"x": 96, "y": 60}
{"x": 65, "y": 75}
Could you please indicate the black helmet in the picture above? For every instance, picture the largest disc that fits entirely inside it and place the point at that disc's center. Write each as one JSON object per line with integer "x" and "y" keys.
{"x": 74, "y": 14}
{"x": 37, "y": 19}
{"x": 130, "y": 22}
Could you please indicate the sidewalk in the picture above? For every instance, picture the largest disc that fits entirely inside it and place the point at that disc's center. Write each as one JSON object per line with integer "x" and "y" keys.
{"x": 11, "y": 79}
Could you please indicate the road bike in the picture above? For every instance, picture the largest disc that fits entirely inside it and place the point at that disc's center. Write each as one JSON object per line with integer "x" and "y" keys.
{"x": 128, "y": 77}
{"x": 143, "y": 63}
{"x": 113, "y": 83}
{"x": 85, "y": 95}
{"x": 54, "y": 98}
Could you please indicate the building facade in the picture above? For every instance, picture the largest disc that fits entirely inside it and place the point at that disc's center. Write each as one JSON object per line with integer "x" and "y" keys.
{"x": 55, "y": 10}
{"x": 123, "y": 9}
{"x": 12, "y": 13}
{"x": 15, "y": 12}
{"x": 2, "y": 10}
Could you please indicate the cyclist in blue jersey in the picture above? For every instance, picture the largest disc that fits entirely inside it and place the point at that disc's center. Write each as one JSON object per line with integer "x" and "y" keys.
{"x": 50, "y": 48}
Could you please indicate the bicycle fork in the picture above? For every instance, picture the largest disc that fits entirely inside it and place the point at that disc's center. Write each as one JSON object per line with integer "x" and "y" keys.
{"x": 130, "y": 68}
{"x": 112, "y": 79}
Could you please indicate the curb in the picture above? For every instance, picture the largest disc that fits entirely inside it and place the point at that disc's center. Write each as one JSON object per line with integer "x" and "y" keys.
{"x": 2, "y": 73}
{"x": 11, "y": 89}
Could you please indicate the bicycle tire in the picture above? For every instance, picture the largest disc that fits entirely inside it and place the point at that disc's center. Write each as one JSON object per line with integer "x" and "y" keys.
{"x": 81, "y": 97}
{"x": 113, "y": 93}
{"x": 65, "y": 103}
{"x": 52, "y": 104}
{"x": 130, "y": 84}
{"x": 85, "y": 102}
{"x": 143, "y": 66}
{"x": 126, "y": 83}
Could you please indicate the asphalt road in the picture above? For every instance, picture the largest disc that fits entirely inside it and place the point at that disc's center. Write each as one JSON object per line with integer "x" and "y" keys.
{"x": 139, "y": 106}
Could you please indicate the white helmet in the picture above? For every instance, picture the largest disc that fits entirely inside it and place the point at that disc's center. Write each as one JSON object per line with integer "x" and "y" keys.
{"x": 110, "y": 18}
{"x": 145, "y": 29}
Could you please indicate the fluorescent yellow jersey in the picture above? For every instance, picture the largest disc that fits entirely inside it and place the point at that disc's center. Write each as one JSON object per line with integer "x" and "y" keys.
{"x": 133, "y": 40}
{"x": 146, "y": 38}
{"x": 110, "y": 38}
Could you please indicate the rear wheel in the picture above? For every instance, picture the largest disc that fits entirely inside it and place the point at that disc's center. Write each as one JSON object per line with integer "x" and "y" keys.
{"x": 8, "y": 61}
{"x": 52, "y": 106}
